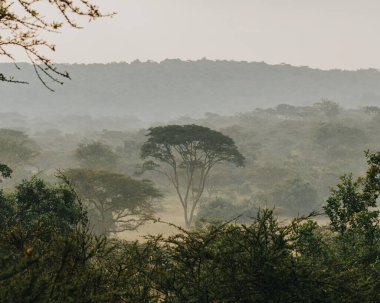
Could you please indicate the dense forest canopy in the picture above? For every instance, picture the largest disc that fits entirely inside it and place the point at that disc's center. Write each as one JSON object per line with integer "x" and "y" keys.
{"x": 48, "y": 253}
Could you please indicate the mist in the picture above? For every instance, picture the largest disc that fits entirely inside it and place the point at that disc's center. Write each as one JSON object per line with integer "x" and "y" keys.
{"x": 189, "y": 151}
{"x": 141, "y": 93}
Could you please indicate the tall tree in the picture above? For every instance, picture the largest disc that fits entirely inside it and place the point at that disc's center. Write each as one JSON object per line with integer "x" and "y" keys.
{"x": 188, "y": 154}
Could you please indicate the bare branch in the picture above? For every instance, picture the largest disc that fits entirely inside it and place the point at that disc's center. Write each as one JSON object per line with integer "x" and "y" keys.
{"x": 21, "y": 23}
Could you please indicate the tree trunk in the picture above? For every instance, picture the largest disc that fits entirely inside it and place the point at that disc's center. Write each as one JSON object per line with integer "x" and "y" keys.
{"x": 187, "y": 222}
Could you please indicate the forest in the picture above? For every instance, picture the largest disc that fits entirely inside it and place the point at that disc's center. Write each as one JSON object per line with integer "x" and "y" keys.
{"x": 189, "y": 180}
{"x": 272, "y": 205}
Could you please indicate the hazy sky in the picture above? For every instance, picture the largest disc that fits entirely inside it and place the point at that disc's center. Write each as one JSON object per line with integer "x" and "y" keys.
{"x": 318, "y": 33}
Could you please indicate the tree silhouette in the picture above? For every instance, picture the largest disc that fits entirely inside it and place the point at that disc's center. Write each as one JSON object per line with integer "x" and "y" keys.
{"x": 189, "y": 153}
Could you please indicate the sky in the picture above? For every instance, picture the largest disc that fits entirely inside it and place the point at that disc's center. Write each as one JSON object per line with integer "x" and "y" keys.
{"x": 324, "y": 34}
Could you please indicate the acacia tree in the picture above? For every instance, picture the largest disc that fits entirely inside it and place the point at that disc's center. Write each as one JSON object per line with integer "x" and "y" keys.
{"x": 187, "y": 154}
{"x": 115, "y": 202}
{"x": 22, "y": 22}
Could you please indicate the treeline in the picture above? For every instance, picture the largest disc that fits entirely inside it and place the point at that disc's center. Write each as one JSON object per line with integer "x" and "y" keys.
{"x": 48, "y": 254}
{"x": 151, "y": 90}
{"x": 293, "y": 155}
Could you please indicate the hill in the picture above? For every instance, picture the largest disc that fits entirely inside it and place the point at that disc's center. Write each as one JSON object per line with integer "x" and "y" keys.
{"x": 160, "y": 91}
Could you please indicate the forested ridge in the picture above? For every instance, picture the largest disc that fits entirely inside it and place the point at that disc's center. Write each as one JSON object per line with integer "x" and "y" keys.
{"x": 173, "y": 87}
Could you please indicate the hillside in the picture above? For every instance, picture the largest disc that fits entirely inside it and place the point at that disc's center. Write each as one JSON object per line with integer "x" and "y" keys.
{"x": 154, "y": 91}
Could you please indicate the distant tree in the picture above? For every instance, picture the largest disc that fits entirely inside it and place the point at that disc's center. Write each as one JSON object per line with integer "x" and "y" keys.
{"x": 222, "y": 210}
{"x": 338, "y": 140}
{"x": 22, "y": 22}
{"x": 329, "y": 108}
{"x": 295, "y": 197}
{"x": 372, "y": 110}
{"x": 16, "y": 148}
{"x": 96, "y": 155}
{"x": 286, "y": 110}
{"x": 188, "y": 154}
{"x": 115, "y": 202}
{"x": 5, "y": 171}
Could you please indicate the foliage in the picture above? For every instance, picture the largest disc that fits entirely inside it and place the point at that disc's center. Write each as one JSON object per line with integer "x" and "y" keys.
{"x": 295, "y": 196}
{"x": 262, "y": 262}
{"x": 96, "y": 155}
{"x": 231, "y": 263}
{"x": 336, "y": 139}
{"x": 36, "y": 207}
{"x": 115, "y": 202}
{"x": 265, "y": 261}
{"x": 329, "y": 108}
{"x": 189, "y": 153}
{"x": 195, "y": 87}
{"x": 16, "y": 147}
{"x": 222, "y": 210}
{"x": 47, "y": 253}
{"x": 350, "y": 203}
{"x": 5, "y": 171}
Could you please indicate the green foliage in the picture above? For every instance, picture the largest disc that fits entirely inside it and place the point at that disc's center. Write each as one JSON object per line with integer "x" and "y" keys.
{"x": 37, "y": 206}
{"x": 266, "y": 261}
{"x": 48, "y": 252}
{"x": 189, "y": 153}
{"x": 353, "y": 215}
{"x": 96, "y": 156}
{"x": 188, "y": 140}
{"x": 5, "y": 171}
{"x": 344, "y": 203}
{"x": 115, "y": 202}
{"x": 230, "y": 263}
{"x": 350, "y": 203}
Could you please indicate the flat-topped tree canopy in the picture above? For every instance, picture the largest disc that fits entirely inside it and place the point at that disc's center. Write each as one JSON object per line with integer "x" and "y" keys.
{"x": 193, "y": 143}
{"x": 189, "y": 152}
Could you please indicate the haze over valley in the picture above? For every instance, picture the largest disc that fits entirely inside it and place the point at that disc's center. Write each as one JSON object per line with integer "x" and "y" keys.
{"x": 236, "y": 159}
{"x": 142, "y": 93}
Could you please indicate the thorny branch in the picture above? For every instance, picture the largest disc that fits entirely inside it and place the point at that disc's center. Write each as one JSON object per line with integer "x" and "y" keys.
{"x": 22, "y": 22}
